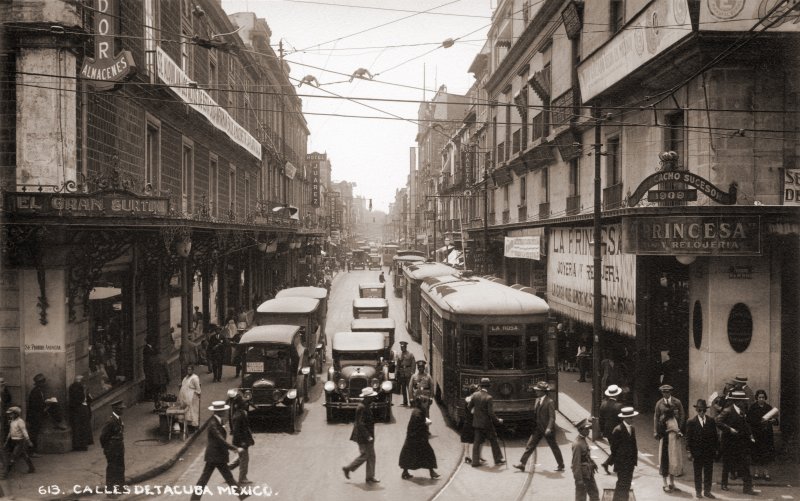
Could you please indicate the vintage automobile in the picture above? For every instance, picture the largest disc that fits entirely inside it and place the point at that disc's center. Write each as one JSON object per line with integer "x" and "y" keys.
{"x": 376, "y": 289}
{"x": 374, "y": 261}
{"x": 358, "y": 362}
{"x": 322, "y": 312}
{"x": 303, "y": 312}
{"x": 275, "y": 371}
{"x": 384, "y": 325}
{"x": 370, "y": 307}
{"x": 359, "y": 260}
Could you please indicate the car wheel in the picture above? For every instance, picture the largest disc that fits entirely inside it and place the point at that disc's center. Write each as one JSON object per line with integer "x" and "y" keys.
{"x": 293, "y": 418}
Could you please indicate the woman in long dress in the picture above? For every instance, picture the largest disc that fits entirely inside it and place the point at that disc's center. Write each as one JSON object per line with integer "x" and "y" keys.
{"x": 417, "y": 452}
{"x": 190, "y": 399}
{"x": 763, "y": 450}
{"x": 670, "y": 449}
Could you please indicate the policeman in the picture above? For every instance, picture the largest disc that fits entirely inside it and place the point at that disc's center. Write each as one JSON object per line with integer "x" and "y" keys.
{"x": 583, "y": 467}
{"x": 405, "y": 369}
{"x": 422, "y": 387}
{"x": 112, "y": 439}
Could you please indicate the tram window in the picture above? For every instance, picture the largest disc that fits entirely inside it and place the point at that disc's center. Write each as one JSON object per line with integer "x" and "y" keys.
{"x": 535, "y": 346}
{"x": 473, "y": 350}
{"x": 505, "y": 352}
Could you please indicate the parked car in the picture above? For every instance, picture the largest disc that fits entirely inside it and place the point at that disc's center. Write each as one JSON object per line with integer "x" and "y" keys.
{"x": 370, "y": 307}
{"x": 374, "y": 261}
{"x": 358, "y": 361}
{"x": 303, "y": 312}
{"x": 275, "y": 370}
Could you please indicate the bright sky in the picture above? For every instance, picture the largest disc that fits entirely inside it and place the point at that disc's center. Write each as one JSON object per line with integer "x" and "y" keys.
{"x": 321, "y": 38}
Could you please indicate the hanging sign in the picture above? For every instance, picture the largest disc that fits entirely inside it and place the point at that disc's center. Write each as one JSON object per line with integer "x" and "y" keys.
{"x": 707, "y": 188}
{"x": 523, "y": 247}
{"x": 315, "y": 184}
{"x": 105, "y": 70}
{"x": 791, "y": 187}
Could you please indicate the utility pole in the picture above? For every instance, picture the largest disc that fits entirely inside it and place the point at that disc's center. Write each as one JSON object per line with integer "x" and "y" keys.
{"x": 486, "y": 219}
{"x": 597, "y": 297}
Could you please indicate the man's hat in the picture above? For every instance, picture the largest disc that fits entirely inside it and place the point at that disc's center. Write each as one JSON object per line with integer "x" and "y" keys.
{"x": 403, "y": 343}
{"x": 542, "y": 386}
{"x": 218, "y": 406}
{"x": 701, "y": 404}
{"x": 421, "y": 362}
{"x": 242, "y": 326}
{"x": 367, "y": 392}
{"x": 118, "y": 404}
{"x": 584, "y": 423}
{"x": 737, "y": 395}
{"x": 627, "y": 412}
{"x": 14, "y": 410}
{"x": 485, "y": 382}
{"x": 613, "y": 390}
{"x": 39, "y": 378}
{"x": 740, "y": 379}
{"x": 665, "y": 387}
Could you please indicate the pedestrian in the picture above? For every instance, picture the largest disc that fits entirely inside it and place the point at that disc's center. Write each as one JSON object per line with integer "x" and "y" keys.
{"x": 241, "y": 327}
{"x": 761, "y": 417}
{"x": 702, "y": 443}
{"x": 670, "y": 447}
{"x": 216, "y": 456}
{"x": 740, "y": 384}
{"x": 609, "y": 418}
{"x": 582, "y": 359}
{"x": 467, "y": 431}
{"x": 364, "y": 435}
{"x": 381, "y": 278}
{"x": 5, "y": 485}
{"x": 583, "y": 466}
{"x": 6, "y": 402}
{"x": 404, "y": 371}
{"x": 18, "y": 441}
{"x": 422, "y": 386}
{"x": 626, "y": 453}
{"x": 417, "y": 451}
{"x": 112, "y": 439}
{"x": 609, "y": 372}
{"x": 242, "y": 437}
{"x": 80, "y": 414}
{"x": 149, "y": 362}
{"x": 544, "y": 426}
{"x": 736, "y": 442}
{"x": 216, "y": 349}
{"x": 197, "y": 319}
{"x": 40, "y": 406}
{"x": 189, "y": 398}
{"x": 483, "y": 423}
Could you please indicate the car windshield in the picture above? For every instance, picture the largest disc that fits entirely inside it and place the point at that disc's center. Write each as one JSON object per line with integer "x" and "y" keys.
{"x": 265, "y": 359}
{"x": 358, "y": 357}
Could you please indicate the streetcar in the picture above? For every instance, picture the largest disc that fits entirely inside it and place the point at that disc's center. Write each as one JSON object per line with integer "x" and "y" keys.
{"x": 474, "y": 328}
{"x": 388, "y": 251}
{"x": 398, "y": 264}
{"x": 413, "y": 275}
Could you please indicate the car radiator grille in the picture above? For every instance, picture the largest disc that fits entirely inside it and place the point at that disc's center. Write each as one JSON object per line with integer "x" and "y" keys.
{"x": 356, "y": 385}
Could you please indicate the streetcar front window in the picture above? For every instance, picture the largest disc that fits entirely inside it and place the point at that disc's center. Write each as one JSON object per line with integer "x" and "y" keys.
{"x": 505, "y": 352}
{"x": 473, "y": 350}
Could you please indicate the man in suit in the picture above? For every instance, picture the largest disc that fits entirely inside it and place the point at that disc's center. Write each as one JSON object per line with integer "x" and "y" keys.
{"x": 242, "y": 436}
{"x": 583, "y": 466}
{"x": 736, "y": 441}
{"x": 364, "y": 435}
{"x": 112, "y": 439}
{"x": 80, "y": 414}
{"x": 702, "y": 443}
{"x": 405, "y": 369}
{"x": 40, "y": 405}
{"x": 609, "y": 418}
{"x": 668, "y": 401}
{"x": 216, "y": 456}
{"x": 483, "y": 421}
{"x": 216, "y": 352}
{"x": 422, "y": 387}
{"x": 625, "y": 452}
{"x": 149, "y": 359}
{"x": 544, "y": 425}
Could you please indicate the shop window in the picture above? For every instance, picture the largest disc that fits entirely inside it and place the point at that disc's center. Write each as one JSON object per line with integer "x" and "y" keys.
{"x": 697, "y": 324}
{"x": 110, "y": 338}
{"x": 740, "y": 327}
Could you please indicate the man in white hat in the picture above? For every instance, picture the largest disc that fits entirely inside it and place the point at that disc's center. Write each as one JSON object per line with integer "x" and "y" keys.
{"x": 625, "y": 452}
{"x": 583, "y": 466}
{"x": 216, "y": 456}
{"x": 364, "y": 435}
{"x": 609, "y": 418}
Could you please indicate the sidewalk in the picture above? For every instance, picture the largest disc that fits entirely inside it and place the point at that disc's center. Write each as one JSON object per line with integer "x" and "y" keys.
{"x": 147, "y": 452}
{"x": 578, "y": 403}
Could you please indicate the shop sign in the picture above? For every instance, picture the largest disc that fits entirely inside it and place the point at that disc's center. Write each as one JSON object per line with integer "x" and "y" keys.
{"x": 706, "y": 187}
{"x": 749, "y": 15}
{"x": 106, "y": 70}
{"x": 791, "y": 187}
{"x": 523, "y": 247}
{"x": 570, "y": 277}
{"x": 696, "y": 235}
{"x": 656, "y": 28}
{"x": 98, "y": 204}
{"x": 315, "y": 184}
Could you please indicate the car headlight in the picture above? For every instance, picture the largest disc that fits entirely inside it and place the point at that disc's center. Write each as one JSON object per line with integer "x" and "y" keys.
{"x": 375, "y": 383}
{"x": 276, "y": 395}
{"x": 248, "y": 395}
{"x": 342, "y": 384}
{"x": 329, "y": 386}
{"x": 305, "y": 371}
{"x": 386, "y": 386}
{"x": 291, "y": 394}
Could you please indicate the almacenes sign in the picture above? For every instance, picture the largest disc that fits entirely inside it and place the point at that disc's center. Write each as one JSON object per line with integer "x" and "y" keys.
{"x": 106, "y": 70}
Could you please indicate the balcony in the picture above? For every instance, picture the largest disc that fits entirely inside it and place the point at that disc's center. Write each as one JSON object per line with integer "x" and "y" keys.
{"x": 522, "y": 213}
{"x": 501, "y": 153}
{"x": 544, "y": 210}
{"x": 516, "y": 144}
{"x": 612, "y": 197}
{"x": 573, "y": 205}
{"x": 476, "y": 222}
{"x": 506, "y": 216}
{"x": 563, "y": 109}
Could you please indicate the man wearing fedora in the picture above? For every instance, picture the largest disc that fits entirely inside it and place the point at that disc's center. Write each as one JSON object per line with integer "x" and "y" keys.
{"x": 40, "y": 405}
{"x": 583, "y": 466}
{"x": 422, "y": 387}
{"x": 665, "y": 403}
{"x": 609, "y": 418}
{"x": 702, "y": 443}
{"x": 364, "y": 435}
{"x": 736, "y": 441}
{"x": 740, "y": 384}
{"x": 483, "y": 421}
{"x": 216, "y": 456}
{"x": 625, "y": 452}
{"x": 112, "y": 440}
{"x": 544, "y": 425}
{"x": 405, "y": 369}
